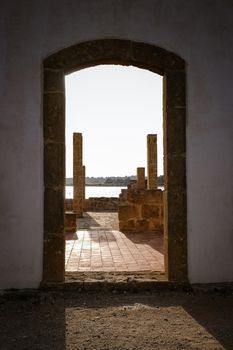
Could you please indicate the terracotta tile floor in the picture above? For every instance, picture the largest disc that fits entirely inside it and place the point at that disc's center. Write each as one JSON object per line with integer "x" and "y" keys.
{"x": 98, "y": 245}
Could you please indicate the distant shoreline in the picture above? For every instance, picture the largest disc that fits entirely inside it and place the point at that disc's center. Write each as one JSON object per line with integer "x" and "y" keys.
{"x": 110, "y": 181}
{"x": 96, "y": 185}
{"x": 99, "y": 185}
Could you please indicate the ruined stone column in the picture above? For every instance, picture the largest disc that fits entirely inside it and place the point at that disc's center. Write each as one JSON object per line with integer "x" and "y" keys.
{"x": 78, "y": 173}
{"x": 141, "y": 182}
{"x": 152, "y": 162}
{"x": 84, "y": 186}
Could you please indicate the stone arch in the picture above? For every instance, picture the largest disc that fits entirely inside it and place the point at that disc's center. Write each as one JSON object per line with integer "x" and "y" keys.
{"x": 123, "y": 52}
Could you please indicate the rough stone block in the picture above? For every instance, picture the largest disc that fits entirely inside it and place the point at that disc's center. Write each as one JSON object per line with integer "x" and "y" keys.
{"x": 54, "y": 80}
{"x": 123, "y": 195}
{"x": 70, "y": 222}
{"x": 54, "y": 258}
{"x": 175, "y": 132}
{"x": 154, "y": 56}
{"x": 178, "y": 254}
{"x": 141, "y": 184}
{"x": 161, "y": 210}
{"x": 127, "y": 225}
{"x": 126, "y": 212}
{"x": 173, "y": 62}
{"x": 77, "y": 151}
{"x": 156, "y": 225}
{"x": 175, "y": 207}
{"x": 69, "y": 204}
{"x": 54, "y": 121}
{"x": 78, "y": 207}
{"x": 176, "y": 173}
{"x": 152, "y": 161}
{"x": 54, "y": 210}
{"x": 150, "y": 211}
{"x": 153, "y": 197}
{"x": 132, "y": 185}
{"x": 145, "y": 196}
{"x": 101, "y": 204}
{"x": 174, "y": 86}
{"x": 92, "y": 51}
{"x": 141, "y": 225}
{"x": 54, "y": 164}
{"x": 135, "y": 196}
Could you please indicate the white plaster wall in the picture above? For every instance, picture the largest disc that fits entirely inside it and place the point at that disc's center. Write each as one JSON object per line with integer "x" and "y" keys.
{"x": 199, "y": 31}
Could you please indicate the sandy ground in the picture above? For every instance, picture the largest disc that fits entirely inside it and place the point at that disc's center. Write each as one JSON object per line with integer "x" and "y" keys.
{"x": 112, "y": 321}
{"x": 98, "y": 221}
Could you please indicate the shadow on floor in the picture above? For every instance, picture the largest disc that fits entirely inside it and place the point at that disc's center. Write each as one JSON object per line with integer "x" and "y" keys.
{"x": 107, "y": 222}
{"x": 98, "y": 221}
{"x": 87, "y": 222}
{"x": 71, "y": 236}
{"x": 153, "y": 239}
{"x": 63, "y": 321}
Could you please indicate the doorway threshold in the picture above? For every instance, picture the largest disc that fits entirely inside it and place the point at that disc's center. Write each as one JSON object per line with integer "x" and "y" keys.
{"x": 116, "y": 282}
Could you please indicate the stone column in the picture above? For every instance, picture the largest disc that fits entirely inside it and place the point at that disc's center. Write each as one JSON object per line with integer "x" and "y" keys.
{"x": 78, "y": 174}
{"x": 84, "y": 186}
{"x": 152, "y": 162}
{"x": 141, "y": 182}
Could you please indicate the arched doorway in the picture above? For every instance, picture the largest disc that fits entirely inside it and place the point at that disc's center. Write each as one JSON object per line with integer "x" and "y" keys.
{"x": 124, "y": 52}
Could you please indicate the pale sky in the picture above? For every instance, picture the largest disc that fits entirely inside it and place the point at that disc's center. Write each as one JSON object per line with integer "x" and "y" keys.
{"x": 114, "y": 107}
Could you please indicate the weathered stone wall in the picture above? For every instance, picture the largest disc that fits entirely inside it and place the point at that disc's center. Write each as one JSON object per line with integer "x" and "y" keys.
{"x": 69, "y": 204}
{"x": 101, "y": 204}
{"x": 96, "y": 204}
{"x": 70, "y": 222}
{"x": 141, "y": 210}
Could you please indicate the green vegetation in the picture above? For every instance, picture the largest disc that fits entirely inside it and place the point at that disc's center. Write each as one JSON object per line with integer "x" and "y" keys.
{"x": 110, "y": 181}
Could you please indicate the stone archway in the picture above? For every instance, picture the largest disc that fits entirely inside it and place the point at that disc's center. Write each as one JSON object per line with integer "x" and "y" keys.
{"x": 124, "y": 52}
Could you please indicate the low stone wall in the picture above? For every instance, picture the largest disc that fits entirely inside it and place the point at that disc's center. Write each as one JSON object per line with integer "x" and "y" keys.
{"x": 68, "y": 204}
{"x": 70, "y": 222}
{"x": 96, "y": 204}
{"x": 101, "y": 204}
{"x": 141, "y": 210}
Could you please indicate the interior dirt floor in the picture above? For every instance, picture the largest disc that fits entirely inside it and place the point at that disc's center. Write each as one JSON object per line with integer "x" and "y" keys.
{"x": 98, "y": 245}
{"x": 112, "y": 321}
